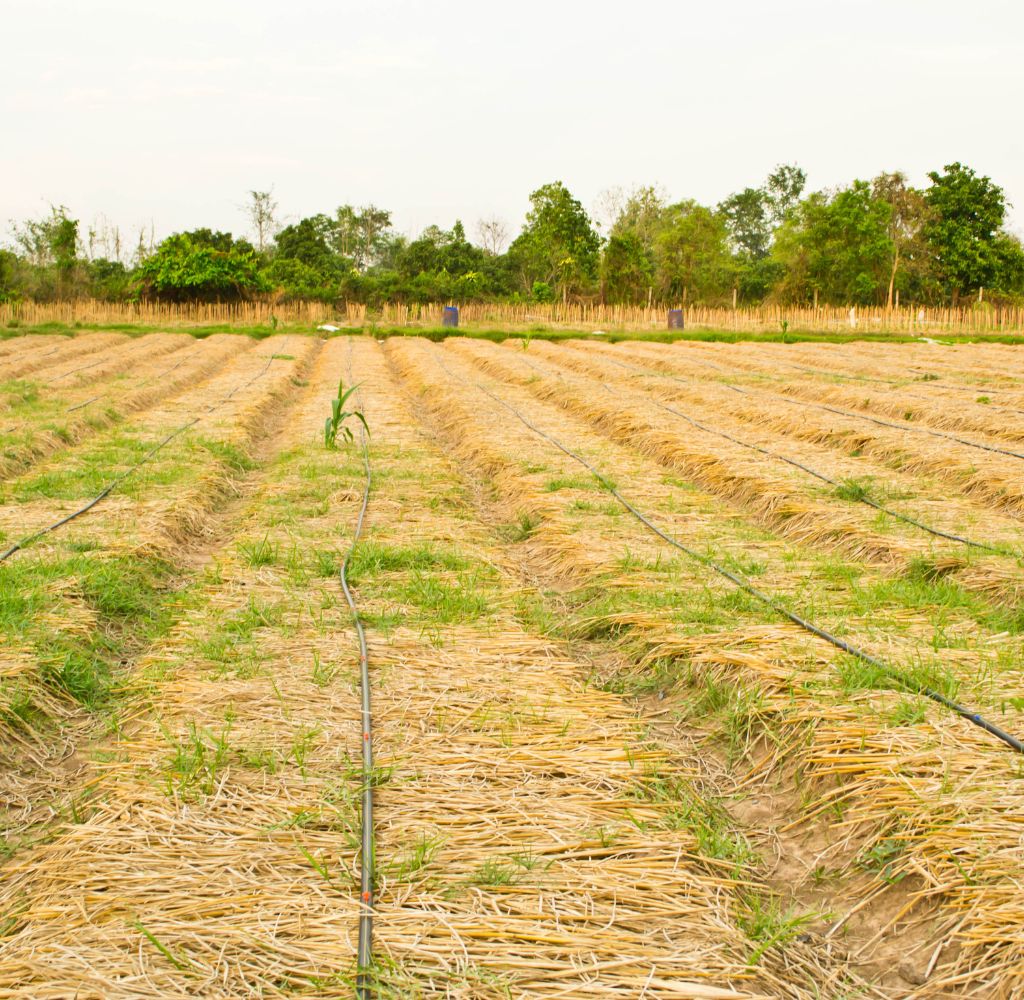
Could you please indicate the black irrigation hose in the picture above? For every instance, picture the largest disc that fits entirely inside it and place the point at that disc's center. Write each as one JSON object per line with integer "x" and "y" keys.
{"x": 367, "y": 874}
{"x": 103, "y": 395}
{"x": 74, "y": 371}
{"x": 81, "y": 406}
{"x": 861, "y": 378}
{"x": 744, "y": 585}
{"x": 6, "y": 359}
{"x": 117, "y": 480}
{"x": 864, "y": 416}
{"x": 145, "y": 381}
{"x": 904, "y": 427}
{"x": 904, "y": 383}
{"x": 819, "y": 475}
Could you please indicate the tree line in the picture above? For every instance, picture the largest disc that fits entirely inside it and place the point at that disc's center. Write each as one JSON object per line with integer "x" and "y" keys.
{"x": 872, "y": 242}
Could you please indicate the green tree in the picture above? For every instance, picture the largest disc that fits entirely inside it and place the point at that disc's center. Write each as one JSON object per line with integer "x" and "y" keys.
{"x": 966, "y": 216}
{"x": 52, "y": 243}
{"x": 752, "y": 217}
{"x": 1009, "y": 271}
{"x": 361, "y": 235}
{"x": 109, "y": 280}
{"x": 627, "y": 271}
{"x": 691, "y": 254}
{"x": 558, "y": 245}
{"x": 641, "y": 216}
{"x": 312, "y": 242}
{"x": 837, "y": 246}
{"x": 441, "y": 251}
{"x": 748, "y": 222}
{"x": 9, "y": 283}
{"x": 202, "y": 265}
{"x": 783, "y": 188}
{"x": 908, "y": 214}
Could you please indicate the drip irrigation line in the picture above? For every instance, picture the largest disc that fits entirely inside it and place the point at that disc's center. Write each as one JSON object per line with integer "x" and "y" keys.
{"x": 863, "y": 416}
{"x": 74, "y": 371}
{"x": 6, "y": 359}
{"x": 938, "y": 532}
{"x": 81, "y": 406}
{"x": 938, "y": 384}
{"x": 855, "y": 651}
{"x": 914, "y": 395}
{"x": 903, "y": 427}
{"x": 103, "y": 395}
{"x": 145, "y": 381}
{"x": 864, "y": 378}
{"x": 367, "y": 864}
{"x": 121, "y": 477}
{"x": 814, "y": 371}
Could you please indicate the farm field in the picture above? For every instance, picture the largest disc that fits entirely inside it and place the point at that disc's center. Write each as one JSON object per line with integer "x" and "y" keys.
{"x": 678, "y": 655}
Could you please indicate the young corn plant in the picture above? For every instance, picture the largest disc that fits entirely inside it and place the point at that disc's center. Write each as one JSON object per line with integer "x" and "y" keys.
{"x": 337, "y": 422}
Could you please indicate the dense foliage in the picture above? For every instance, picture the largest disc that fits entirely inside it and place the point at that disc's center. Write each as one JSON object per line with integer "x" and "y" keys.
{"x": 871, "y": 242}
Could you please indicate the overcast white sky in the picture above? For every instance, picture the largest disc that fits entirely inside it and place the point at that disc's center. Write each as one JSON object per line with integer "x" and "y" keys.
{"x": 170, "y": 112}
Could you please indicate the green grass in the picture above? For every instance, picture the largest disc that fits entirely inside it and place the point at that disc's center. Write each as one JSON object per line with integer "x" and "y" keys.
{"x": 232, "y": 642}
{"x": 85, "y": 473}
{"x": 133, "y": 601}
{"x": 520, "y": 529}
{"x": 495, "y": 872}
{"x": 769, "y": 924}
{"x": 372, "y": 558}
{"x": 18, "y": 393}
{"x": 259, "y": 553}
{"x": 536, "y": 332}
{"x": 588, "y": 483}
{"x": 416, "y": 857}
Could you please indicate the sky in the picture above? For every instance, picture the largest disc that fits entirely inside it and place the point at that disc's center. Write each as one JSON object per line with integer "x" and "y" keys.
{"x": 167, "y": 114}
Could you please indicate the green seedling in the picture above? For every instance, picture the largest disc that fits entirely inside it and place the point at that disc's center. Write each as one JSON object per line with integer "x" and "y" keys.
{"x": 337, "y": 422}
{"x": 177, "y": 961}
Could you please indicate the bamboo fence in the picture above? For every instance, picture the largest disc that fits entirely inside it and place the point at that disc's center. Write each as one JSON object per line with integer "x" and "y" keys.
{"x": 971, "y": 320}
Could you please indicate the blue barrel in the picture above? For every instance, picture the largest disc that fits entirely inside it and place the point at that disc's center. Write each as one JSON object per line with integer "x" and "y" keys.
{"x": 675, "y": 319}
{"x": 450, "y": 316}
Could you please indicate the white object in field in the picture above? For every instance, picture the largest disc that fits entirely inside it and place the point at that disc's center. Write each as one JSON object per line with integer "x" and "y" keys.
{"x": 599, "y": 333}
{"x": 329, "y": 328}
{"x": 853, "y": 317}
{"x": 920, "y": 315}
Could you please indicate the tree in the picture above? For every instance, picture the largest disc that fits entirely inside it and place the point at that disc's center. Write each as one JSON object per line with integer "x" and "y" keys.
{"x": 691, "y": 254}
{"x": 752, "y": 217}
{"x": 627, "y": 272}
{"x": 558, "y": 245}
{"x": 52, "y": 243}
{"x": 361, "y": 235}
{"x": 104, "y": 241}
{"x": 9, "y": 276}
{"x": 747, "y": 216}
{"x": 492, "y": 234}
{"x": 641, "y": 215}
{"x": 608, "y": 207}
{"x": 783, "y": 188}
{"x": 202, "y": 265}
{"x": 109, "y": 280}
{"x": 262, "y": 209}
{"x": 438, "y": 251}
{"x": 312, "y": 241}
{"x": 908, "y": 213}
{"x": 966, "y": 215}
{"x": 836, "y": 246}
{"x": 1009, "y": 271}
